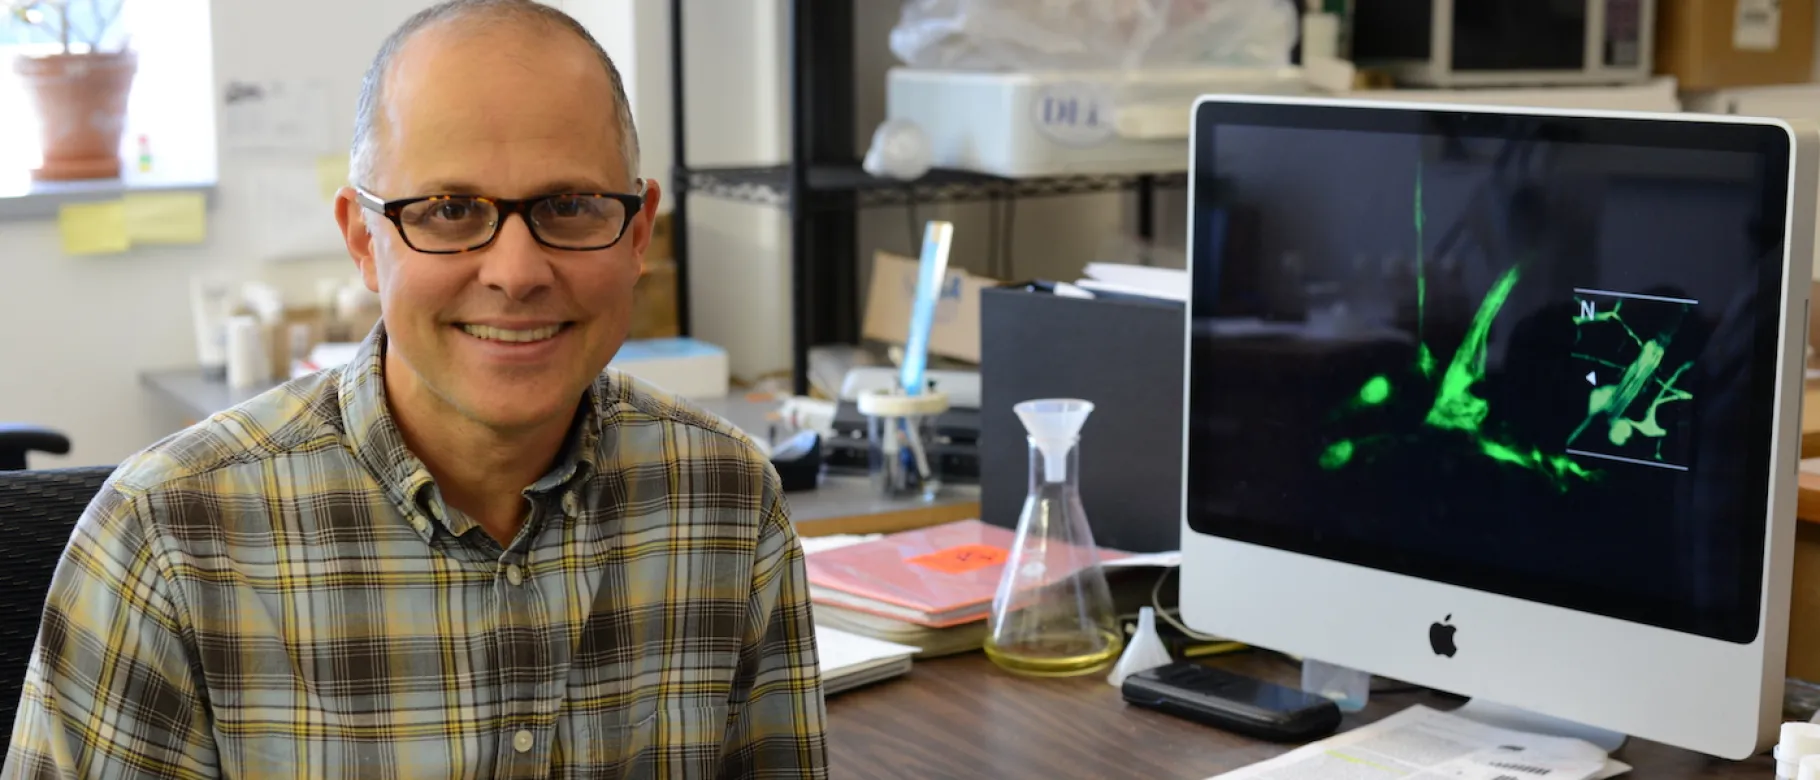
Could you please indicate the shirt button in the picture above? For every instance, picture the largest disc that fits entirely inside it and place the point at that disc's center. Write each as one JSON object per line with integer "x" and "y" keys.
{"x": 522, "y": 741}
{"x": 571, "y": 505}
{"x": 514, "y": 574}
{"x": 422, "y": 525}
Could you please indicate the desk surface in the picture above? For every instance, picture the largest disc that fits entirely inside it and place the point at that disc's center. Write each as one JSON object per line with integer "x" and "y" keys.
{"x": 960, "y": 717}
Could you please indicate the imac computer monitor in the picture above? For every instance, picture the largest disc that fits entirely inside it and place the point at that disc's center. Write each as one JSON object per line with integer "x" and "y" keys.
{"x": 1503, "y": 402}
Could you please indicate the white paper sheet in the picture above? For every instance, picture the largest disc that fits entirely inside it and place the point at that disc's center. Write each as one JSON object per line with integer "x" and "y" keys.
{"x": 1420, "y": 743}
{"x": 815, "y": 544}
{"x": 278, "y": 115}
{"x": 287, "y": 216}
{"x": 1165, "y": 283}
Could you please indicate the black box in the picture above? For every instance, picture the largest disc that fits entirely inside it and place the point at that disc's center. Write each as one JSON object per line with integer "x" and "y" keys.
{"x": 1125, "y": 355}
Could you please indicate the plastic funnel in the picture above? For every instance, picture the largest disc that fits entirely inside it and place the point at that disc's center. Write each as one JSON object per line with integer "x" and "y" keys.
{"x": 1054, "y": 424}
{"x": 1144, "y": 652}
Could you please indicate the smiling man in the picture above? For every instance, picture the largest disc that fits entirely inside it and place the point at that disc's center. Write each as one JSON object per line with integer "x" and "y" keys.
{"x": 472, "y": 551}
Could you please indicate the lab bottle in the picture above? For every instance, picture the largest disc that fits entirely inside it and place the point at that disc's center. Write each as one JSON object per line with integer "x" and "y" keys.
{"x": 1052, "y": 615}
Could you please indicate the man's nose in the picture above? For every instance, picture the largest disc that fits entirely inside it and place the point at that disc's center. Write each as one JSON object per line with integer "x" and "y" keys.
{"x": 516, "y": 264}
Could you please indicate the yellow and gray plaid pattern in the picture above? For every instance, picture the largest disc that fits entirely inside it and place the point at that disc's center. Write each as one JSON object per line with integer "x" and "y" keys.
{"x": 280, "y": 591}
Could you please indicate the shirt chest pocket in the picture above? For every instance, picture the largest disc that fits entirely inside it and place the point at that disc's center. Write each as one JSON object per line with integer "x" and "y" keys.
{"x": 654, "y": 736}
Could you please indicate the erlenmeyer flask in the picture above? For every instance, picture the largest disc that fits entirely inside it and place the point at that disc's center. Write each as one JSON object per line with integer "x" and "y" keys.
{"x": 1053, "y": 614}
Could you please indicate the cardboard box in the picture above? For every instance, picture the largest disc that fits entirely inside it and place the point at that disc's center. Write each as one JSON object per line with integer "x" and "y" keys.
{"x": 956, "y": 333}
{"x": 663, "y": 242}
{"x": 1813, "y": 329}
{"x": 654, "y": 302}
{"x": 654, "y": 297}
{"x": 1712, "y": 44}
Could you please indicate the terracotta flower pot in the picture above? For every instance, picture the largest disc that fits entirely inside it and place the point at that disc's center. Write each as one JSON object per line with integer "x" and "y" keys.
{"x": 81, "y": 101}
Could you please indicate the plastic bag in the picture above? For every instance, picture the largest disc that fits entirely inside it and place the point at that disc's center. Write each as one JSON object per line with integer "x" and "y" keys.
{"x": 1037, "y": 35}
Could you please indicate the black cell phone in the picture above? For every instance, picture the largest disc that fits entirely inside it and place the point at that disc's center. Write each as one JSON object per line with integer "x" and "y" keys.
{"x": 1234, "y": 702}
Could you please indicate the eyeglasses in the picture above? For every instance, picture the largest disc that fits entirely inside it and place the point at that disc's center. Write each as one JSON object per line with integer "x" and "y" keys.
{"x": 452, "y": 224}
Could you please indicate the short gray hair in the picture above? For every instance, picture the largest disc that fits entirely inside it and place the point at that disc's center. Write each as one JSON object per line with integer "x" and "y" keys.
{"x": 361, "y": 156}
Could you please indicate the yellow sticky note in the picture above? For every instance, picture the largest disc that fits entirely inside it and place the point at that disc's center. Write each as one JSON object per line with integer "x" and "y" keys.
{"x": 93, "y": 228}
{"x": 166, "y": 218}
{"x": 331, "y": 175}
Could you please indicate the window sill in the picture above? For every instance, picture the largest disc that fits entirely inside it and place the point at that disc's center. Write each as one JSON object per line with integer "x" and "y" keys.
{"x": 34, "y": 200}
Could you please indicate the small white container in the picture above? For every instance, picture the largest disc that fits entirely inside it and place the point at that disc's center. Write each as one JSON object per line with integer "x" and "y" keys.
{"x": 1798, "y": 742}
{"x": 901, "y": 442}
{"x": 249, "y": 364}
{"x": 211, "y": 303}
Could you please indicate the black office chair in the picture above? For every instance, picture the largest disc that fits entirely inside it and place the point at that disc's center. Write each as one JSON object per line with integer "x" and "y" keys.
{"x": 38, "y": 509}
{"x": 18, "y": 439}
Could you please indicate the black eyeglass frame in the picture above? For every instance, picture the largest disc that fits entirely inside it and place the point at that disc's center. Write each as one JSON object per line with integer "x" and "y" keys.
{"x": 393, "y": 210}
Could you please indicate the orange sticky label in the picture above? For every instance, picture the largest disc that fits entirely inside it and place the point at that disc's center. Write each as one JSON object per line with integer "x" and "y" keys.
{"x": 963, "y": 558}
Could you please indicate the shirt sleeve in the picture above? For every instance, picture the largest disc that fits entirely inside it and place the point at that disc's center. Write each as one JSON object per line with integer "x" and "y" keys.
{"x": 778, "y": 729}
{"x": 110, "y": 690}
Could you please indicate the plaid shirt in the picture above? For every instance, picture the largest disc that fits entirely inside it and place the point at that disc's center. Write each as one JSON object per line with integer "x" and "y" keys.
{"x": 281, "y": 591}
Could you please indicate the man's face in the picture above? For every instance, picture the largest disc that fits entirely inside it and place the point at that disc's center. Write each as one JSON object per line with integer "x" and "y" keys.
{"x": 507, "y": 336}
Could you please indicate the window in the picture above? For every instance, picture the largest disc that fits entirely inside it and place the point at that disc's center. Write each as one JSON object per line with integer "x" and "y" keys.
{"x": 170, "y": 113}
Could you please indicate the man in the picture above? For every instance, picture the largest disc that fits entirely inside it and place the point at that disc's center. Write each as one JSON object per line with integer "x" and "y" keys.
{"x": 468, "y": 552}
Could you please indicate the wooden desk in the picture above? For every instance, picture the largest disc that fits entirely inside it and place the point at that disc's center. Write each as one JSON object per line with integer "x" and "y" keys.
{"x": 961, "y": 717}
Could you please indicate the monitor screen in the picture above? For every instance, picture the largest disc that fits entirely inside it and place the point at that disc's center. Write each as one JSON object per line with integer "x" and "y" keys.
{"x": 1528, "y": 355}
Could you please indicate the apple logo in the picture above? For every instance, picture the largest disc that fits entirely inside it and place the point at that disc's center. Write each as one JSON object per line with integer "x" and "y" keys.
{"x": 1440, "y": 637}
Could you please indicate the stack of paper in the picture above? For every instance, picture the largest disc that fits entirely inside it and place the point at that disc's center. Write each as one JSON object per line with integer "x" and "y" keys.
{"x": 1425, "y": 744}
{"x": 849, "y": 660}
{"x": 928, "y": 642}
{"x": 1169, "y": 284}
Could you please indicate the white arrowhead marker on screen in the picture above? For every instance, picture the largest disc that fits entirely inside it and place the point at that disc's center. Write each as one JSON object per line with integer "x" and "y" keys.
{"x": 1592, "y": 378}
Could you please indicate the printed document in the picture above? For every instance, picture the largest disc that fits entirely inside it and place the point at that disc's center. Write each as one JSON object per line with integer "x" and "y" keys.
{"x": 1420, "y": 743}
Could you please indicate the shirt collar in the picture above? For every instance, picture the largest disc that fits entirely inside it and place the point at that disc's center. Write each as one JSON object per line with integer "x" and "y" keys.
{"x": 373, "y": 435}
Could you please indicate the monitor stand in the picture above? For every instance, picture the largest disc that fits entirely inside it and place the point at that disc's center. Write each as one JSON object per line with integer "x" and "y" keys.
{"x": 1505, "y": 716}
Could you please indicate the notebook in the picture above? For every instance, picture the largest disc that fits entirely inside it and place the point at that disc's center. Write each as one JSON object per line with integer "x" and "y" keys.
{"x": 938, "y": 577}
{"x": 849, "y": 661}
{"x": 931, "y": 642}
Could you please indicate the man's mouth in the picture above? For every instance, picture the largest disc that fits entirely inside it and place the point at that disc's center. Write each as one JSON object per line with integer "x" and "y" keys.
{"x": 513, "y": 335}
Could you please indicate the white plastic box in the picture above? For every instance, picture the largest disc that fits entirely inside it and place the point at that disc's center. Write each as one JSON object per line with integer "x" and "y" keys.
{"x": 1067, "y": 122}
{"x": 681, "y": 366}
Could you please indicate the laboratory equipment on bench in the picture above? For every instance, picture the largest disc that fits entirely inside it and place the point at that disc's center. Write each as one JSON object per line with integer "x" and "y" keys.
{"x": 1053, "y": 615}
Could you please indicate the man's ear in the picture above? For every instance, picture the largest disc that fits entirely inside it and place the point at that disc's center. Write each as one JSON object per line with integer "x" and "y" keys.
{"x": 645, "y": 222}
{"x": 355, "y": 233}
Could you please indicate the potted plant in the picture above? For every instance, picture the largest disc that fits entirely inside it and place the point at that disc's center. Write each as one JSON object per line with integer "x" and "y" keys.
{"x": 80, "y": 87}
